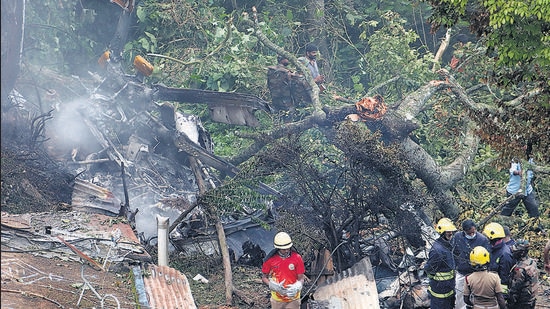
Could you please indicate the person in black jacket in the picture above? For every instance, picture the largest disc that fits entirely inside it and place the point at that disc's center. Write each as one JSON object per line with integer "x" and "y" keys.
{"x": 440, "y": 267}
{"x": 502, "y": 259}
{"x": 463, "y": 242}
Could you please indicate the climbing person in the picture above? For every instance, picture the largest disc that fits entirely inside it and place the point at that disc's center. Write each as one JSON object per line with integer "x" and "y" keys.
{"x": 440, "y": 267}
{"x": 524, "y": 193}
{"x": 520, "y": 184}
{"x": 288, "y": 89}
{"x": 462, "y": 243}
{"x": 279, "y": 78}
{"x": 502, "y": 260}
{"x": 283, "y": 271}
{"x": 524, "y": 278}
{"x": 482, "y": 288}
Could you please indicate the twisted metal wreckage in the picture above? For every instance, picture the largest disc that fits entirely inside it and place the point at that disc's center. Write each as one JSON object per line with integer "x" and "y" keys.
{"x": 154, "y": 175}
{"x": 160, "y": 181}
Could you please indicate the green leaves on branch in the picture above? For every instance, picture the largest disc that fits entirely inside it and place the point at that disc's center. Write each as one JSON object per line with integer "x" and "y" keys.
{"x": 515, "y": 29}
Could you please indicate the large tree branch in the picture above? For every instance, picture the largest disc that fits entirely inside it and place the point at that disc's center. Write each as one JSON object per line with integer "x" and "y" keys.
{"x": 455, "y": 171}
{"x": 265, "y": 138}
{"x": 431, "y": 174}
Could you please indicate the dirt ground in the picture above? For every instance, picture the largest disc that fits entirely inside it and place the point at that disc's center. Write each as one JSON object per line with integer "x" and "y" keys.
{"x": 56, "y": 283}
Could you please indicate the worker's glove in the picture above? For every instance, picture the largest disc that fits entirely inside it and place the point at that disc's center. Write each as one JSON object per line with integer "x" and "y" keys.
{"x": 277, "y": 287}
{"x": 293, "y": 289}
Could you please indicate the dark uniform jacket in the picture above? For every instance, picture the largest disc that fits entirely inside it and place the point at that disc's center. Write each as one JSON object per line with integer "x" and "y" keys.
{"x": 440, "y": 268}
{"x": 502, "y": 262}
{"x": 462, "y": 247}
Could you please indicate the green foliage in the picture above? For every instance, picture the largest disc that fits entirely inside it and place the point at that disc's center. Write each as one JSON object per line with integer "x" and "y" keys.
{"x": 233, "y": 196}
{"x": 391, "y": 55}
{"x": 519, "y": 30}
{"x": 516, "y": 30}
{"x": 441, "y": 128}
{"x": 66, "y": 35}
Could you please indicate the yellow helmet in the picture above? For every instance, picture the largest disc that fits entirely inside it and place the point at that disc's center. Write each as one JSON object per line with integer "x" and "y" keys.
{"x": 445, "y": 225}
{"x": 282, "y": 241}
{"x": 479, "y": 256}
{"x": 494, "y": 230}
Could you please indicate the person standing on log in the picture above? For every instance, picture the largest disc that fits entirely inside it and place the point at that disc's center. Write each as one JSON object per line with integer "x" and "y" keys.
{"x": 520, "y": 185}
{"x": 310, "y": 61}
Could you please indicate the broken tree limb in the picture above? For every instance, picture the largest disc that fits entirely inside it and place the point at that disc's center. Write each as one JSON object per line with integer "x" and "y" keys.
{"x": 222, "y": 241}
{"x": 498, "y": 209}
{"x": 228, "y": 27}
{"x": 182, "y": 216}
{"x": 441, "y": 50}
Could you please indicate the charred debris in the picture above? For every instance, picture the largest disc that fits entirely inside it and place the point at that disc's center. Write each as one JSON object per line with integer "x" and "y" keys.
{"x": 118, "y": 137}
{"x": 152, "y": 158}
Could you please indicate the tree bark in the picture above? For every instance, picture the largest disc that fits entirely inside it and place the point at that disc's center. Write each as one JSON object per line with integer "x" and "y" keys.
{"x": 13, "y": 24}
{"x": 228, "y": 274}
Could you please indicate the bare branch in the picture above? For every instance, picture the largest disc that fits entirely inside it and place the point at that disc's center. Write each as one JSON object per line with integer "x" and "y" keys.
{"x": 441, "y": 50}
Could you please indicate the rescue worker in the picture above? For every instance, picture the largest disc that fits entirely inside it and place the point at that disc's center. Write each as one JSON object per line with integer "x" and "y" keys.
{"x": 463, "y": 242}
{"x": 440, "y": 267}
{"x": 524, "y": 279}
{"x": 502, "y": 260}
{"x": 283, "y": 271}
{"x": 482, "y": 289}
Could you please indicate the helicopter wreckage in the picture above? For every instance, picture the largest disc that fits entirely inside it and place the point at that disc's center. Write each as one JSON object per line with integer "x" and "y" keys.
{"x": 120, "y": 142}
{"x": 135, "y": 155}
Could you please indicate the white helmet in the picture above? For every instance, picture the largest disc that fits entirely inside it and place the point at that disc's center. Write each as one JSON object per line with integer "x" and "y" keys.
{"x": 282, "y": 241}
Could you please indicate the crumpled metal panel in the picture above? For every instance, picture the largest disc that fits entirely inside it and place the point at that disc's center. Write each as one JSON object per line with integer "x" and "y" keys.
{"x": 93, "y": 198}
{"x": 354, "y": 288}
{"x": 168, "y": 288}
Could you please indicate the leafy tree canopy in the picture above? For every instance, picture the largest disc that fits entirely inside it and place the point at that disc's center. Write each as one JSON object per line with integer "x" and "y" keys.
{"x": 517, "y": 33}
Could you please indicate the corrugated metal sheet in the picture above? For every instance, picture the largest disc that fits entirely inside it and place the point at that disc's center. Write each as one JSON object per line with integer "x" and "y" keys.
{"x": 38, "y": 271}
{"x": 354, "y": 288}
{"x": 90, "y": 197}
{"x": 168, "y": 288}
